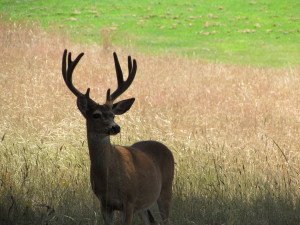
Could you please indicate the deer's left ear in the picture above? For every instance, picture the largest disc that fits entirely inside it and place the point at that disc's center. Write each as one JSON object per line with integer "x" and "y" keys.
{"x": 122, "y": 106}
{"x": 82, "y": 104}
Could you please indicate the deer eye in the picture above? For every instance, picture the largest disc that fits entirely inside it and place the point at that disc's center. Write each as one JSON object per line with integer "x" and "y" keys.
{"x": 111, "y": 115}
{"x": 96, "y": 115}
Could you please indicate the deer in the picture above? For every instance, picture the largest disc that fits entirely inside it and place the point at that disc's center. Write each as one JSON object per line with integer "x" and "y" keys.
{"x": 129, "y": 179}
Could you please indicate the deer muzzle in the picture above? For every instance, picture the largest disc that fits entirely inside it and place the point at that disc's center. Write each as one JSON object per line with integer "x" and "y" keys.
{"x": 115, "y": 129}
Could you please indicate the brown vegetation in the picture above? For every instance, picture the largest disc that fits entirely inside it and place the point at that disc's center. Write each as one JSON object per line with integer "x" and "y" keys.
{"x": 234, "y": 131}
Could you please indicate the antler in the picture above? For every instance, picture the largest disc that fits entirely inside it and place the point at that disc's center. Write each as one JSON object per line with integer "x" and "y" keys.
{"x": 122, "y": 85}
{"x": 67, "y": 72}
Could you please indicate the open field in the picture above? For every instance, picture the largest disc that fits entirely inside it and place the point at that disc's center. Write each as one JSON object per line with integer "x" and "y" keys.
{"x": 264, "y": 32}
{"x": 234, "y": 131}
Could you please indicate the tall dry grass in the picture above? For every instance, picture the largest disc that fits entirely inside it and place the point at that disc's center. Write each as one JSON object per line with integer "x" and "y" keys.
{"x": 234, "y": 131}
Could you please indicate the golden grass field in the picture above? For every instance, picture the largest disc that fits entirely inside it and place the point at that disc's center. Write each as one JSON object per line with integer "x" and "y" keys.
{"x": 234, "y": 131}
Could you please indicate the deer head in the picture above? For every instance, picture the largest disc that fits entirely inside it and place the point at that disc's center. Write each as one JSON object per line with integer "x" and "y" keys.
{"x": 100, "y": 118}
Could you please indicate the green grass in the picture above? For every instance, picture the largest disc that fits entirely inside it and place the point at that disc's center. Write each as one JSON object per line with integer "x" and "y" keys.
{"x": 244, "y": 32}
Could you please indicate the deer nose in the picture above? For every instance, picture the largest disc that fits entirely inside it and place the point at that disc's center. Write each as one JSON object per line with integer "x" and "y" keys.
{"x": 115, "y": 129}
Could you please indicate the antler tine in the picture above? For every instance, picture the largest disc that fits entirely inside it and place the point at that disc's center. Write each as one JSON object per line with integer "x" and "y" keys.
{"x": 129, "y": 64}
{"x": 108, "y": 99}
{"x": 123, "y": 85}
{"x": 67, "y": 72}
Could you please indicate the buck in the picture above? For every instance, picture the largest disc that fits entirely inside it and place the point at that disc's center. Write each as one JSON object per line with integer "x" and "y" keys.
{"x": 124, "y": 178}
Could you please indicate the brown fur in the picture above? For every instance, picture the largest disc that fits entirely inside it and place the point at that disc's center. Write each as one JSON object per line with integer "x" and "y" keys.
{"x": 133, "y": 177}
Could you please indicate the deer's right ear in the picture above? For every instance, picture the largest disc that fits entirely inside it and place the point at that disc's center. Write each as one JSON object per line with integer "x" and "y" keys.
{"x": 123, "y": 106}
{"x": 82, "y": 105}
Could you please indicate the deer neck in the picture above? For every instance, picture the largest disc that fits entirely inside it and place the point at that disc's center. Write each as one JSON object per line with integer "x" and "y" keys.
{"x": 100, "y": 149}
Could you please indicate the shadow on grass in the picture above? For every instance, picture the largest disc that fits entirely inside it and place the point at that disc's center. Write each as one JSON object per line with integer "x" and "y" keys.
{"x": 266, "y": 209}
{"x": 14, "y": 211}
{"x": 188, "y": 210}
